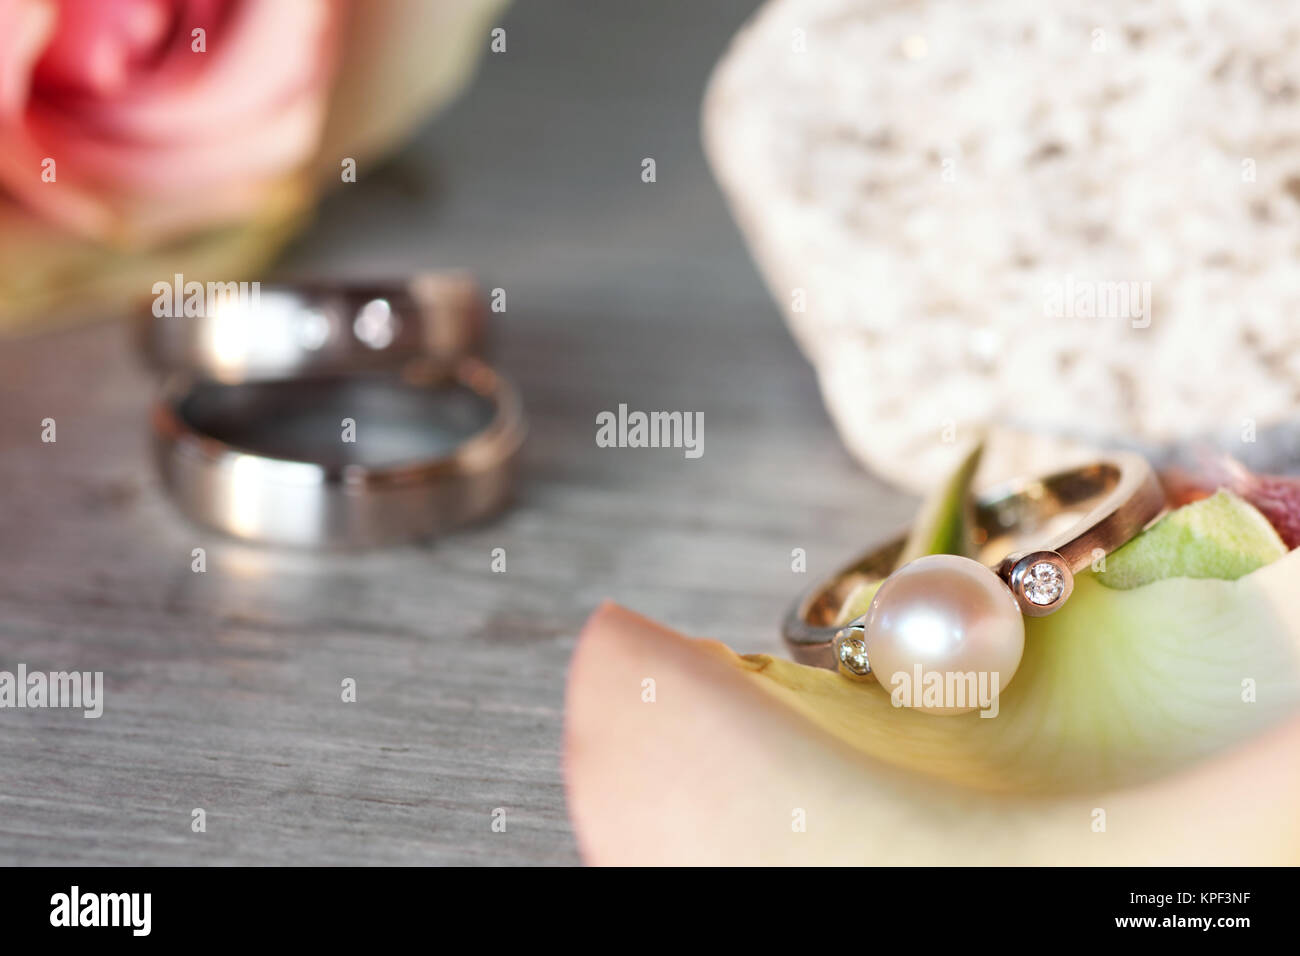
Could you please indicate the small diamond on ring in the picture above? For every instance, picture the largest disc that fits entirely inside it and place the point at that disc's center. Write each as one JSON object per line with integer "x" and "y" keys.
{"x": 853, "y": 655}
{"x": 1044, "y": 584}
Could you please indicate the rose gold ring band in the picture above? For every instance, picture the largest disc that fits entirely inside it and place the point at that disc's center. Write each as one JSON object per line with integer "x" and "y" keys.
{"x": 1069, "y": 518}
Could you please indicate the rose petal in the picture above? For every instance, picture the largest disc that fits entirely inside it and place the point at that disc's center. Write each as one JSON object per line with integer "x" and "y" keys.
{"x": 99, "y": 41}
{"x": 196, "y": 139}
{"x": 1276, "y": 496}
{"x": 733, "y": 752}
{"x": 403, "y": 59}
{"x": 26, "y": 26}
{"x": 258, "y": 58}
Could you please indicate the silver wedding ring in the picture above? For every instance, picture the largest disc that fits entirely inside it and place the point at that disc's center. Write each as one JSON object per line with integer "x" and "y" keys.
{"x": 334, "y": 415}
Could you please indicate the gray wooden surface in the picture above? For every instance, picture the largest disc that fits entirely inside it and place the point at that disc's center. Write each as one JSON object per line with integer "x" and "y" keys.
{"x": 223, "y": 688}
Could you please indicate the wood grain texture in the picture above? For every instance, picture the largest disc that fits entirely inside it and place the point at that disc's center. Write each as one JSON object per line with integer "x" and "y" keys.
{"x": 223, "y": 688}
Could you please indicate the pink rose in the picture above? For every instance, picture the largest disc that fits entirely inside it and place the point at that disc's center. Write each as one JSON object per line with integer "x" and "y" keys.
{"x": 127, "y": 126}
{"x": 143, "y": 118}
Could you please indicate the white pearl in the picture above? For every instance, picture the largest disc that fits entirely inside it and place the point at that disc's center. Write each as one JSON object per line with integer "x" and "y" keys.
{"x": 949, "y": 616}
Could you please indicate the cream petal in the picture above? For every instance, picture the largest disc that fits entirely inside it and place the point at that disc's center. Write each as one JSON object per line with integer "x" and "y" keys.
{"x": 759, "y": 760}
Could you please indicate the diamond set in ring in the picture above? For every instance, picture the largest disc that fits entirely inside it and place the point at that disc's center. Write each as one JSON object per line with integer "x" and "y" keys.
{"x": 1044, "y": 583}
{"x": 852, "y": 652}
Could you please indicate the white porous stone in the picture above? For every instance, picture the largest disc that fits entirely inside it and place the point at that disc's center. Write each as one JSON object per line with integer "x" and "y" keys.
{"x": 934, "y": 189}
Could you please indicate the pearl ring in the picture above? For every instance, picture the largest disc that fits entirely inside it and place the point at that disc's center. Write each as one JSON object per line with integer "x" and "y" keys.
{"x": 953, "y": 616}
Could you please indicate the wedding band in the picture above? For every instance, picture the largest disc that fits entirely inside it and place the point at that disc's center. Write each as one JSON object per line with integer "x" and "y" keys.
{"x": 341, "y": 461}
{"x": 244, "y": 332}
{"x": 1033, "y": 535}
